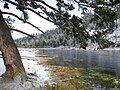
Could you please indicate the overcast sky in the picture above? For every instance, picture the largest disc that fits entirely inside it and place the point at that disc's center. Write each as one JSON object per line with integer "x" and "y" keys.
{"x": 34, "y": 19}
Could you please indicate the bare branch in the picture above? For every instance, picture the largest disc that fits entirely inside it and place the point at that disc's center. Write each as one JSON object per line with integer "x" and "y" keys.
{"x": 22, "y": 20}
{"x": 22, "y": 32}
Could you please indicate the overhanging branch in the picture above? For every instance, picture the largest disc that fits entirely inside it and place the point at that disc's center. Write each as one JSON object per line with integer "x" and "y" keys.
{"x": 37, "y": 13}
{"x": 26, "y": 8}
{"x": 22, "y": 20}
{"x": 43, "y": 2}
{"x": 22, "y": 32}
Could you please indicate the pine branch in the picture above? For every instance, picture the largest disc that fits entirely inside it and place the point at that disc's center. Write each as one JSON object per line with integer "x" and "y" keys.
{"x": 21, "y": 32}
{"x": 26, "y": 8}
{"x": 43, "y": 2}
{"x": 22, "y": 20}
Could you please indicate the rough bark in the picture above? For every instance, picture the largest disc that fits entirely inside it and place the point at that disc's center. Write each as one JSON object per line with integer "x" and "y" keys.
{"x": 12, "y": 60}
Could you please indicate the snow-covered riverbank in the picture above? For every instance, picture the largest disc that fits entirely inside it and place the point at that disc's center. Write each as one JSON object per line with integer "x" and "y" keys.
{"x": 37, "y": 74}
{"x": 33, "y": 67}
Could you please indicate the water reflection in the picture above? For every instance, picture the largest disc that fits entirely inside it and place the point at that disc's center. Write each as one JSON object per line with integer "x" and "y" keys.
{"x": 104, "y": 61}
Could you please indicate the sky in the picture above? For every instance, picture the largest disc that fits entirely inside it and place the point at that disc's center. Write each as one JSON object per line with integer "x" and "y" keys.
{"x": 34, "y": 19}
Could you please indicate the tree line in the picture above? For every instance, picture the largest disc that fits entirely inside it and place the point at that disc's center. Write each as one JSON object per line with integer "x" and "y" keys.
{"x": 51, "y": 38}
{"x": 54, "y": 38}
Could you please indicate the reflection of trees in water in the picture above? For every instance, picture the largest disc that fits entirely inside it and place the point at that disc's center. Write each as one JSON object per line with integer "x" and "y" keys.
{"x": 104, "y": 61}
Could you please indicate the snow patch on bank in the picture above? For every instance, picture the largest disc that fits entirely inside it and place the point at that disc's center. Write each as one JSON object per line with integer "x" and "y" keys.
{"x": 114, "y": 48}
{"x": 37, "y": 73}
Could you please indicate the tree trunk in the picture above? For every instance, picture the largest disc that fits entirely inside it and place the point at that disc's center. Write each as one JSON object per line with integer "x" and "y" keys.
{"x": 12, "y": 60}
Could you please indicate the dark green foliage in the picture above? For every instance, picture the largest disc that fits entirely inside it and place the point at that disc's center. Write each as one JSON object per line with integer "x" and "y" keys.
{"x": 98, "y": 37}
{"x": 118, "y": 45}
{"x": 104, "y": 16}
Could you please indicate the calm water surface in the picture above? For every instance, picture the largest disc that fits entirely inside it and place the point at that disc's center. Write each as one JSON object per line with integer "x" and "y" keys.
{"x": 104, "y": 61}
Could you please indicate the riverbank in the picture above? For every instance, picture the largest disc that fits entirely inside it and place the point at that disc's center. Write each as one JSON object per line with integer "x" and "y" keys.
{"x": 37, "y": 74}
{"x": 88, "y": 48}
{"x": 72, "y": 78}
{"x": 46, "y": 73}
{"x": 33, "y": 66}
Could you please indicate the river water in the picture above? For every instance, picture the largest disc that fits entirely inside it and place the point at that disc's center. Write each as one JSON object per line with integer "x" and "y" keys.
{"x": 102, "y": 60}
{"x": 2, "y": 67}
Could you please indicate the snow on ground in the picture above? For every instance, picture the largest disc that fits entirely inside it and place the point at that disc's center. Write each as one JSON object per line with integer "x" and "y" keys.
{"x": 114, "y": 48}
{"x": 33, "y": 67}
{"x": 37, "y": 74}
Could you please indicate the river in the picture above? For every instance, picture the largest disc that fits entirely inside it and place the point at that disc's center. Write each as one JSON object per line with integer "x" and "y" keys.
{"x": 2, "y": 67}
{"x": 107, "y": 61}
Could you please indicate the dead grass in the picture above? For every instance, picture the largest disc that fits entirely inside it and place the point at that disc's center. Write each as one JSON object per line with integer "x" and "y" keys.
{"x": 64, "y": 77}
{"x": 62, "y": 72}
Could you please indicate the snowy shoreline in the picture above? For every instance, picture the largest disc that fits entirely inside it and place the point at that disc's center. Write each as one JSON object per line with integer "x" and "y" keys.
{"x": 33, "y": 67}
{"x": 92, "y": 49}
{"x": 37, "y": 74}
